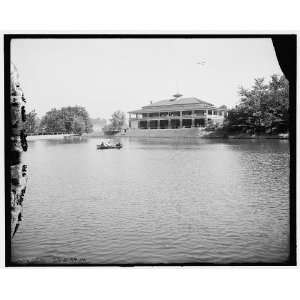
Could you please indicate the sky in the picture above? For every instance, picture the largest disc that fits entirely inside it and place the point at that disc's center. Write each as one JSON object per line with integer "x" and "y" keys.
{"x": 105, "y": 75}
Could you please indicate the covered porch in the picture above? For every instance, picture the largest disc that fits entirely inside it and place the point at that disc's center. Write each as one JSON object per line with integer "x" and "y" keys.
{"x": 170, "y": 123}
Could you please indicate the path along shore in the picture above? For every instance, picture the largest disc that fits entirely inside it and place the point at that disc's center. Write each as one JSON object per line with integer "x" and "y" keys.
{"x": 165, "y": 134}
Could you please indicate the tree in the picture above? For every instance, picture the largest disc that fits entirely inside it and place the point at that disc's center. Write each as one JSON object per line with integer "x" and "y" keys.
{"x": 32, "y": 122}
{"x": 78, "y": 125}
{"x": 278, "y": 106}
{"x": 263, "y": 108}
{"x": 67, "y": 120}
{"x": 52, "y": 122}
{"x": 118, "y": 120}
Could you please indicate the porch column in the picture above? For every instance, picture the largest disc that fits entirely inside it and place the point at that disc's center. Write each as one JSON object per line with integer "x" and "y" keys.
{"x": 193, "y": 122}
{"x": 169, "y": 123}
{"x": 158, "y": 121}
{"x": 180, "y": 120}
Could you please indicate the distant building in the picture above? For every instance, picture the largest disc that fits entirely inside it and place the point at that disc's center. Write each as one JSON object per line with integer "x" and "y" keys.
{"x": 177, "y": 112}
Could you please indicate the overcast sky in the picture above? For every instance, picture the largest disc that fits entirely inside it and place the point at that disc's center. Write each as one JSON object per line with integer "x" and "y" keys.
{"x": 105, "y": 75}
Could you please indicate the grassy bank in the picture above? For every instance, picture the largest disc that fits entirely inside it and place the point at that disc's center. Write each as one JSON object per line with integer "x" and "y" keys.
{"x": 222, "y": 133}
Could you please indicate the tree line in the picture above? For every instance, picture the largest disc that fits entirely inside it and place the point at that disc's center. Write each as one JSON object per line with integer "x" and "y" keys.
{"x": 66, "y": 120}
{"x": 70, "y": 120}
{"x": 264, "y": 108}
{"x": 117, "y": 121}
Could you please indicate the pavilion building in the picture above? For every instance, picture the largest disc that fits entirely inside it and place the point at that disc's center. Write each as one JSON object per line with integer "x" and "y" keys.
{"x": 177, "y": 112}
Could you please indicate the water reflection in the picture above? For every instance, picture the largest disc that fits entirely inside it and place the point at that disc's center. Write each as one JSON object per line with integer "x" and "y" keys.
{"x": 156, "y": 201}
{"x": 66, "y": 141}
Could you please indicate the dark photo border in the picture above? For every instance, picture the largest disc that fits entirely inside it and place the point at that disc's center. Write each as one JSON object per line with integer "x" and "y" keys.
{"x": 285, "y": 46}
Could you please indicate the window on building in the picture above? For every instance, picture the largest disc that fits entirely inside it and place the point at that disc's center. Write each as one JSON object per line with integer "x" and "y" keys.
{"x": 187, "y": 113}
{"x": 209, "y": 112}
{"x": 199, "y": 112}
{"x": 163, "y": 124}
{"x": 153, "y": 115}
{"x": 175, "y": 123}
{"x": 154, "y": 124}
{"x": 164, "y": 114}
{"x": 142, "y": 125}
{"x": 199, "y": 122}
{"x": 186, "y": 123}
{"x": 215, "y": 112}
{"x": 175, "y": 113}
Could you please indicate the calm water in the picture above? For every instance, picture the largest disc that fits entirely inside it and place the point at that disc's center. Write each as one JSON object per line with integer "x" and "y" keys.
{"x": 156, "y": 201}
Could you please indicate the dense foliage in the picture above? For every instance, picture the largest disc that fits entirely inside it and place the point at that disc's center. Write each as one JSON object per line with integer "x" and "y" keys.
{"x": 32, "y": 123}
{"x": 263, "y": 109}
{"x": 65, "y": 120}
{"x": 117, "y": 121}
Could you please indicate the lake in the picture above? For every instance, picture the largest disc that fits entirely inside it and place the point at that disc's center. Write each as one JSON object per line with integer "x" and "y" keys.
{"x": 155, "y": 201}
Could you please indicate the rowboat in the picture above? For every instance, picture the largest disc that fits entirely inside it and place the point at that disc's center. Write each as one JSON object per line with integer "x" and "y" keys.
{"x": 104, "y": 146}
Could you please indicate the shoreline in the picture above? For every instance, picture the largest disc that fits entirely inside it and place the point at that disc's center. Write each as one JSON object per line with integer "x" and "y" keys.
{"x": 199, "y": 134}
{"x": 209, "y": 135}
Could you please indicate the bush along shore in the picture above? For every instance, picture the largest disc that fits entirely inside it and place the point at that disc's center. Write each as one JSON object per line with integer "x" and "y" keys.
{"x": 227, "y": 134}
{"x": 263, "y": 111}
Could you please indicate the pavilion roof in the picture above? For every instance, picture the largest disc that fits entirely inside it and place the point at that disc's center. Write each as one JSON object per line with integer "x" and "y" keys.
{"x": 179, "y": 101}
{"x": 141, "y": 111}
{"x": 174, "y": 104}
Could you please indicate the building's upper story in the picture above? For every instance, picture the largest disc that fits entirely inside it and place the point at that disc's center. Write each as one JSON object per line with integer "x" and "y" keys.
{"x": 178, "y": 106}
